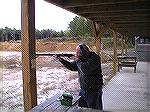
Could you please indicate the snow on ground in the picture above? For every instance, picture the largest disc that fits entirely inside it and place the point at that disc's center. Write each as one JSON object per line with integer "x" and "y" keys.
{"x": 53, "y": 80}
{"x": 5, "y": 54}
{"x": 50, "y": 80}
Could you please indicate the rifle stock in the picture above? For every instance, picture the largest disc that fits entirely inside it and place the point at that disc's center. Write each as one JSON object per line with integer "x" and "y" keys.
{"x": 58, "y": 54}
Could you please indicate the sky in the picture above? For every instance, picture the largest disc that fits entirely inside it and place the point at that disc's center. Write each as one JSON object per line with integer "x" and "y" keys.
{"x": 47, "y": 16}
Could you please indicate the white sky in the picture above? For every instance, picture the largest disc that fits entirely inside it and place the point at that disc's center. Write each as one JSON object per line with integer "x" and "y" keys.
{"x": 47, "y": 16}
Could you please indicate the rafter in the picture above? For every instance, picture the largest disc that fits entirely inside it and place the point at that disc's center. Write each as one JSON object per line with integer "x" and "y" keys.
{"x": 81, "y": 3}
{"x": 118, "y": 14}
{"x": 126, "y": 18}
{"x": 115, "y": 7}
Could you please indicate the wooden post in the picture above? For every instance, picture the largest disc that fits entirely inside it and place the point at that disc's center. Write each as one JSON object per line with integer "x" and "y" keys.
{"x": 122, "y": 45}
{"x": 98, "y": 36}
{"x": 98, "y": 45}
{"x": 126, "y": 45}
{"x": 114, "y": 64}
{"x": 135, "y": 44}
{"x": 28, "y": 53}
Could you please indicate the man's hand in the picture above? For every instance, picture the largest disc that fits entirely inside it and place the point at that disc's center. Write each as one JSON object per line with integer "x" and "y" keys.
{"x": 56, "y": 57}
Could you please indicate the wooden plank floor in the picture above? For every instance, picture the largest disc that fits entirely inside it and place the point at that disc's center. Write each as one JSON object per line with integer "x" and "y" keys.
{"x": 54, "y": 105}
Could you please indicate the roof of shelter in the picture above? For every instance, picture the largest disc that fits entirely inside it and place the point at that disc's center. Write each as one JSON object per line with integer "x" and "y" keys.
{"x": 129, "y": 17}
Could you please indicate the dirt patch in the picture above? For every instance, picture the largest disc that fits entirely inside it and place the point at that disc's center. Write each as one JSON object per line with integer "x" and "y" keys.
{"x": 41, "y": 46}
{"x": 8, "y": 46}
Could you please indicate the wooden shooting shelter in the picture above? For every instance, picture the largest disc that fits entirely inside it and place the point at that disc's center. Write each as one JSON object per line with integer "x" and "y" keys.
{"x": 128, "y": 17}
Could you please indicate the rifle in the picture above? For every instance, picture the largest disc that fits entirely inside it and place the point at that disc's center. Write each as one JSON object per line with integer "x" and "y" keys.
{"x": 57, "y": 54}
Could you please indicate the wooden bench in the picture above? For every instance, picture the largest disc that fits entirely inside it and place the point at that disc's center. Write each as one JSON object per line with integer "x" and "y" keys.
{"x": 54, "y": 105}
{"x": 127, "y": 61}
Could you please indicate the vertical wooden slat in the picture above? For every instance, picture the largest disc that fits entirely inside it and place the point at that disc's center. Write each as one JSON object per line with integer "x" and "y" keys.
{"x": 28, "y": 53}
{"x": 122, "y": 45}
{"x": 98, "y": 36}
{"x": 98, "y": 44}
{"x": 114, "y": 64}
{"x": 95, "y": 36}
{"x": 126, "y": 45}
{"x": 135, "y": 44}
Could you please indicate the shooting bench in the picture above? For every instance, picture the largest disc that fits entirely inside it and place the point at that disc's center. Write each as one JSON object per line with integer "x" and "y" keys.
{"x": 127, "y": 61}
{"x": 54, "y": 105}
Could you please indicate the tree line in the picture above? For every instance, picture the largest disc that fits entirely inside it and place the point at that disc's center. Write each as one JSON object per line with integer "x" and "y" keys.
{"x": 78, "y": 27}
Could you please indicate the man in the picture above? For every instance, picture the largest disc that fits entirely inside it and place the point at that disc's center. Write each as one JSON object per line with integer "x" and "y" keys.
{"x": 88, "y": 65}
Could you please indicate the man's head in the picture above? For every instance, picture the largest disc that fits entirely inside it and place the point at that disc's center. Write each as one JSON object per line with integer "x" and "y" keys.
{"x": 82, "y": 51}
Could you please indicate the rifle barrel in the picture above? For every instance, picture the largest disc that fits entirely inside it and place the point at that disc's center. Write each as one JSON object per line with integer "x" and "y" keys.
{"x": 58, "y": 54}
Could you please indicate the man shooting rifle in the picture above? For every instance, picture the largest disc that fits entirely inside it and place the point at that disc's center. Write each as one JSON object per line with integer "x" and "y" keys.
{"x": 88, "y": 65}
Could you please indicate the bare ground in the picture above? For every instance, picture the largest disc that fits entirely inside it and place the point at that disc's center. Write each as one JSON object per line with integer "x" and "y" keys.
{"x": 40, "y": 46}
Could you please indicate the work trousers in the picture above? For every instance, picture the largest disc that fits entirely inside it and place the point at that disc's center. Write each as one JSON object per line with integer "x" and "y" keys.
{"x": 91, "y": 99}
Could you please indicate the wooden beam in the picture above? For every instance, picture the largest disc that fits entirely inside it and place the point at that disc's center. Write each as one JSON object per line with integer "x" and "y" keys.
{"x": 99, "y": 30}
{"x": 114, "y": 64}
{"x": 80, "y": 12}
{"x": 117, "y": 14}
{"x": 97, "y": 39}
{"x": 81, "y": 3}
{"x": 132, "y": 22}
{"x": 136, "y": 6}
{"x": 126, "y": 18}
{"x": 135, "y": 32}
{"x": 132, "y": 26}
{"x": 122, "y": 45}
{"x": 126, "y": 45}
{"x": 28, "y": 53}
{"x": 94, "y": 32}
{"x": 132, "y": 29}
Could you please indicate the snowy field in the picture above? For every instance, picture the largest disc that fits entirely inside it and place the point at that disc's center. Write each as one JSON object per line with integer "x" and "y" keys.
{"x": 52, "y": 78}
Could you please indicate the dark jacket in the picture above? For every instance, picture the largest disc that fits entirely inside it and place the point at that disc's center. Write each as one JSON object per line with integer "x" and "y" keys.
{"x": 89, "y": 71}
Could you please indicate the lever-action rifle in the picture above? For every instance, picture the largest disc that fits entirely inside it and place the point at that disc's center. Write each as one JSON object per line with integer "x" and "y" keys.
{"x": 57, "y": 54}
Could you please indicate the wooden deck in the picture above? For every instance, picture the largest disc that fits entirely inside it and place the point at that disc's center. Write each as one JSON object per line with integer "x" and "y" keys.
{"x": 54, "y": 105}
